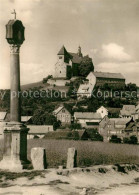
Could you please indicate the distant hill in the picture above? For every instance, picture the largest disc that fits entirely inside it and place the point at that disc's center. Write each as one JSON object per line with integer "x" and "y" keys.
{"x": 32, "y": 85}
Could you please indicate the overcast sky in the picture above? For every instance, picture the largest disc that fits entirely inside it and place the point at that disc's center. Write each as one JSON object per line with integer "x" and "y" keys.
{"x": 107, "y": 30}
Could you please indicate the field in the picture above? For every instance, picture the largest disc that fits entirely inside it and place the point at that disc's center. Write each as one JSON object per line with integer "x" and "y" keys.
{"x": 88, "y": 153}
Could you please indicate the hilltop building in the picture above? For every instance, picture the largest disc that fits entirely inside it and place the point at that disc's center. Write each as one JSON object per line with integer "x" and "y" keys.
{"x": 67, "y": 63}
{"x": 67, "y": 66}
{"x": 100, "y": 79}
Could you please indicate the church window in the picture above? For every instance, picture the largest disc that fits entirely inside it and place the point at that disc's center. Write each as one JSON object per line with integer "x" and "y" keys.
{"x": 60, "y": 57}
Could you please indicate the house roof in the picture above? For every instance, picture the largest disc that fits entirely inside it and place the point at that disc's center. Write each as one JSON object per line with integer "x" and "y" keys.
{"x": 87, "y": 115}
{"x": 113, "y": 110}
{"x": 39, "y": 129}
{"x": 130, "y": 126}
{"x": 7, "y": 118}
{"x": 25, "y": 118}
{"x": 137, "y": 107}
{"x": 108, "y": 75}
{"x": 120, "y": 121}
{"x": 103, "y": 108}
{"x": 3, "y": 116}
{"x": 128, "y": 110}
{"x": 58, "y": 110}
{"x": 75, "y": 58}
{"x": 62, "y": 51}
{"x": 81, "y": 133}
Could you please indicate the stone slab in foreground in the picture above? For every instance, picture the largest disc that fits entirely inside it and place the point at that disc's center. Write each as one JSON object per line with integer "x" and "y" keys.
{"x": 38, "y": 157}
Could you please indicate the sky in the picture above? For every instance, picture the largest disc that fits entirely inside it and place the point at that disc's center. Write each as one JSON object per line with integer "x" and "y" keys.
{"x": 106, "y": 30}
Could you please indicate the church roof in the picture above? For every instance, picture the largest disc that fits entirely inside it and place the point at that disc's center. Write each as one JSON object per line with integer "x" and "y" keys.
{"x": 75, "y": 58}
{"x": 108, "y": 75}
{"x": 62, "y": 51}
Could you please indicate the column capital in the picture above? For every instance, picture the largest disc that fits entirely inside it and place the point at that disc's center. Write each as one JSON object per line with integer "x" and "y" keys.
{"x": 14, "y": 49}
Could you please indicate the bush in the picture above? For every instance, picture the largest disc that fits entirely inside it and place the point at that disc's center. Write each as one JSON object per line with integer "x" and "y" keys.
{"x": 94, "y": 135}
{"x": 115, "y": 139}
{"x": 75, "y": 126}
{"x": 126, "y": 140}
{"x": 75, "y": 135}
{"x": 133, "y": 139}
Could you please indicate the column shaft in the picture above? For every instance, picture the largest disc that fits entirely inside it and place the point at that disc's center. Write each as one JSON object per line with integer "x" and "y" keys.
{"x": 15, "y": 84}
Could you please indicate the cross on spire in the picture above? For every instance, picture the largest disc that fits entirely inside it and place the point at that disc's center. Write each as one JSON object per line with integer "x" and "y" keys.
{"x": 14, "y": 12}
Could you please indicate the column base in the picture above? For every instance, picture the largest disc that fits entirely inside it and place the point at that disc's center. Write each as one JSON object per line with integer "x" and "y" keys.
{"x": 15, "y": 147}
{"x": 13, "y": 165}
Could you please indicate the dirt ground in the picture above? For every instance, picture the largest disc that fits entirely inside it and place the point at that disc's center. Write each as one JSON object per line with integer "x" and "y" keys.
{"x": 85, "y": 182}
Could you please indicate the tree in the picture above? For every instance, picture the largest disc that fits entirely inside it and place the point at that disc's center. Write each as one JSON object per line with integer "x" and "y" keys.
{"x": 131, "y": 87}
{"x": 41, "y": 117}
{"x": 86, "y": 66}
{"x": 46, "y": 79}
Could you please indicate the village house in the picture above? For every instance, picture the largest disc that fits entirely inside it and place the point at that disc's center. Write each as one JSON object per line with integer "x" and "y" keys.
{"x": 113, "y": 126}
{"x": 85, "y": 90}
{"x": 132, "y": 129}
{"x": 113, "y": 112}
{"x": 26, "y": 119}
{"x": 103, "y": 111}
{"x": 108, "y": 111}
{"x": 87, "y": 119}
{"x": 128, "y": 111}
{"x": 63, "y": 115}
{"x": 38, "y": 131}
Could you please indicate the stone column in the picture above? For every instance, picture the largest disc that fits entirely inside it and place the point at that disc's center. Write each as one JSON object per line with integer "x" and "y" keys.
{"x": 15, "y": 83}
{"x": 15, "y": 133}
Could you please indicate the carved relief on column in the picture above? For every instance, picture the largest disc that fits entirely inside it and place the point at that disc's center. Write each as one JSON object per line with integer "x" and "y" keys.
{"x": 14, "y": 49}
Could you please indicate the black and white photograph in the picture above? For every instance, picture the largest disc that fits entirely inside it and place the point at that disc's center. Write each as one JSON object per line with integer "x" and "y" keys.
{"x": 69, "y": 97}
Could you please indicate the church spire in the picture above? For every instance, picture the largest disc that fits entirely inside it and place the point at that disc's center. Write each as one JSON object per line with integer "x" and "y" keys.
{"x": 79, "y": 52}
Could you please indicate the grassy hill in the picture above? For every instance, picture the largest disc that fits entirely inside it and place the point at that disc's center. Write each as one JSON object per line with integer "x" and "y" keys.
{"x": 32, "y": 85}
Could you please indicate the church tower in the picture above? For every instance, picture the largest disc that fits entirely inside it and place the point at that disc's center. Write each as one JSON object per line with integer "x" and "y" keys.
{"x": 79, "y": 52}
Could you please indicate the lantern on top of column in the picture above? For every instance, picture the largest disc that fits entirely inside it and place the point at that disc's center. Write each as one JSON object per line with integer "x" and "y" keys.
{"x": 15, "y": 31}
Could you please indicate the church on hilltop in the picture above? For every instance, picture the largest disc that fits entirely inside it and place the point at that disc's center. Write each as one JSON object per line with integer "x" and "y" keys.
{"x": 67, "y": 65}
{"x": 68, "y": 68}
